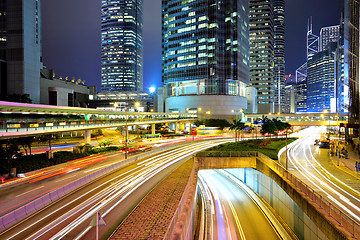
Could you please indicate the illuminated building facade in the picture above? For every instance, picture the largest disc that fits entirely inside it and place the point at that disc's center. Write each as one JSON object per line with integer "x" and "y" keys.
{"x": 321, "y": 81}
{"x": 20, "y": 48}
{"x": 205, "y": 55}
{"x": 262, "y": 53}
{"x": 301, "y": 88}
{"x": 312, "y": 42}
{"x": 279, "y": 54}
{"x": 328, "y": 35}
{"x": 121, "y": 45}
{"x": 351, "y": 69}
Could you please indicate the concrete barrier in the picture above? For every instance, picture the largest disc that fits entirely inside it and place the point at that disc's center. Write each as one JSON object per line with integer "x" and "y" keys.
{"x": 331, "y": 219}
{"x": 19, "y": 214}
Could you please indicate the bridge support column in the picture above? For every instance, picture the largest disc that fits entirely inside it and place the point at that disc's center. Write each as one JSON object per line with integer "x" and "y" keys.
{"x": 87, "y": 136}
{"x": 181, "y": 126}
{"x": 153, "y": 128}
{"x": 176, "y": 127}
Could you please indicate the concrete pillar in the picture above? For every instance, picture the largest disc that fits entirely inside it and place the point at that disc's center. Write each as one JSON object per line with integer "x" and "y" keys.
{"x": 153, "y": 128}
{"x": 176, "y": 127}
{"x": 182, "y": 126}
{"x": 87, "y": 136}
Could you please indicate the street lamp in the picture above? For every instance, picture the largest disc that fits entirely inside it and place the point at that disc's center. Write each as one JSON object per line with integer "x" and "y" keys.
{"x": 328, "y": 128}
{"x": 126, "y": 132}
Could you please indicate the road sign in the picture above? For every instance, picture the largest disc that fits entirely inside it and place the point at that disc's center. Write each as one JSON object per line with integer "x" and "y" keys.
{"x": 97, "y": 220}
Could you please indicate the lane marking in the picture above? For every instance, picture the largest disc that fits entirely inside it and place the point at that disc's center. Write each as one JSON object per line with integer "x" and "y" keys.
{"x": 29, "y": 191}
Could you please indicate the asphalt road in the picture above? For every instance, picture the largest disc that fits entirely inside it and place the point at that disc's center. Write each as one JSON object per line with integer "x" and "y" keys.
{"x": 303, "y": 163}
{"x": 234, "y": 214}
{"x": 113, "y": 196}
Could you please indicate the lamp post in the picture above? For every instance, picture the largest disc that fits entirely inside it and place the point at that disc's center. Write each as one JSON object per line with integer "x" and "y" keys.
{"x": 328, "y": 128}
{"x": 126, "y": 132}
{"x": 286, "y": 161}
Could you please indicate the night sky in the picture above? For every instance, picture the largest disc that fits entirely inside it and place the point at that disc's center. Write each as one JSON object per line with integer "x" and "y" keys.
{"x": 71, "y": 36}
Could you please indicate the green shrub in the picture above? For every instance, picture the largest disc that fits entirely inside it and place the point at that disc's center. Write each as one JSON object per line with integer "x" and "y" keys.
{"x": 269, "y": 147}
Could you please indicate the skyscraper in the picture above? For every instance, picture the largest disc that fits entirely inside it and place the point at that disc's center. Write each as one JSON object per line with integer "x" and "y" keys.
{"x": 20, "y": 48}
{"x": 262, "y": 53}
{"x": 321, "y": 81}
{"x": 301, "y": 88}
{"x": 351, "y": 58}
{"x": 328, "y": 35}
{"x": 205, "y": 52}
{"x": 121, "y": 45}
{"x": 279, "y": 54}
{"x": 312, "y": 42}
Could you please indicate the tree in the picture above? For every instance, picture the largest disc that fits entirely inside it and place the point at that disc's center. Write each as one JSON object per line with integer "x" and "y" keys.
{"x": 8, "y": 149}
{"x": 199, "y": 122}
{"x": 47, "y": 139}
{"x": 268, "y": 126}
{"x": 221, "y": 123}
{"x": 22, "y": 98}
{"x": 26, "y": 143}
{"x": 237, "y": 126}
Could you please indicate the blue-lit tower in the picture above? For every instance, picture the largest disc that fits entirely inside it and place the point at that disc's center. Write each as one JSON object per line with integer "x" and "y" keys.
{"x": 205, "y": 56}
{"x": 121, "y": 45}
{"x": 321, "y": 81}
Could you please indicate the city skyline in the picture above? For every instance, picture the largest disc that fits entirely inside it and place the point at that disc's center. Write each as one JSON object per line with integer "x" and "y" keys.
{"x": 72, "y": 41}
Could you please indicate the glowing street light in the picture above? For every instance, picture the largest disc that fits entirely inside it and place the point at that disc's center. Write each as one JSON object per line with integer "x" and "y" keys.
{"x": 152, "y": 89}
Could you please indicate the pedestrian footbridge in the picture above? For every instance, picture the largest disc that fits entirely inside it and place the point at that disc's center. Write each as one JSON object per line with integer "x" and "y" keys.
{"x": 303, "y": 119}
{"x": 21, "y": 119}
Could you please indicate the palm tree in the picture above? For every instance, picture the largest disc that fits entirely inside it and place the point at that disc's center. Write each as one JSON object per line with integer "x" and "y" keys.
{"x": 237, "y": 125}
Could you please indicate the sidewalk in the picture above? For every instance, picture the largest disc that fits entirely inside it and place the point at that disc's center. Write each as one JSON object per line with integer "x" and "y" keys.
{"x": 152, "y": 217}
{"x": 345, "y": 172}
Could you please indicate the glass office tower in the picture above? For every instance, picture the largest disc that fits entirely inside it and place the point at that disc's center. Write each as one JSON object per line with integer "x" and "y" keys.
{"x": 205, "y": 55}
{"x": 262, "y": 53}
{"x": 279, "y": 54}
{"x": 321, "y": 80}
{"x": 20, "y": 48}
{"x": 121, "y": 45}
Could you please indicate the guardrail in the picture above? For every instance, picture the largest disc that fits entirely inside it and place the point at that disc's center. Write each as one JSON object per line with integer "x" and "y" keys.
{"x": 25, "y": 127}
{"x": 347, "y": 223}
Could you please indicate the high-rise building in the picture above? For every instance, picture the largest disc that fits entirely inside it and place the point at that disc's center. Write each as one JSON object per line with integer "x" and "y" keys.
{"x": 301, "y": 88}
{"x": 342, "y": 83}
{"x": 328, "y": 35}
{"x": 205, "y": 56}
{"x": 290, "y": 103}
{"x": 20, "y": 48}
{"x": 262, "y": 53}
{"x": 312, "y": 42}
{"x": 121, "y": 45}
{"x": 351, "y": 58}
{"x": 279, "y": 54}
{"x": 321, "y": 81}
